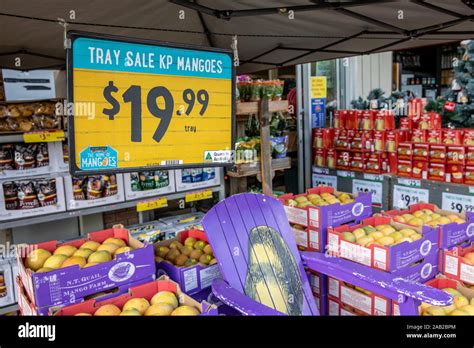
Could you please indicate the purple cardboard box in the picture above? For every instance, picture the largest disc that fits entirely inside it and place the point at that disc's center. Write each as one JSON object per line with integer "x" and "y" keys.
{"x": 385, "y": 258}
{"x": 66, "y": 285}
{"x": 321, "y": 217}
{"x": 423, "y": 271}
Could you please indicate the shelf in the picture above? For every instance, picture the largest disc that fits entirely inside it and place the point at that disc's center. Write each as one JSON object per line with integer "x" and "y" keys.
{"x": 8, "y": 309}
{"x": 252, "y": 107}
{"x": 16, "y": 137}
{"x": 250, "y": 169}
{"x": 88, "y": 211}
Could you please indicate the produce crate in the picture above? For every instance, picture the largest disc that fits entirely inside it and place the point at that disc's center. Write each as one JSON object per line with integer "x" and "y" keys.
{"x": 191, "y": 279}
{"x": 451, "y": 234}
{"x": 65, "y": 285}
{"x": 458, "y": 263}
{"x": 320, "y": 217}
{"x": 318, "y": 282}
{"x": 26, "y": 307}
{"x": 386, "y": 258}
{"x": 336, "y": 308}
{"x": 147, "y": 291}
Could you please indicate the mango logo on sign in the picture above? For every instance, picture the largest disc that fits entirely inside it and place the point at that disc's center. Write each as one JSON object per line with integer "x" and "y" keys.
{"x": 98, "y": 157}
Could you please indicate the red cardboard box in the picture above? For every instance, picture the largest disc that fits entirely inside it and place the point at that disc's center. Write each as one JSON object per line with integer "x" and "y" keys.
{"x": 384, "y": 120}
{"x": 351, "y": 120}
{"x": 452, "y": 136}
{"x": 404, "y": 168}
{"x": 343, "y": 160}
{"x": 421, "y": 152}
{"x": 469, "y": 175}
{"x": 393, "y": 138}
{"x": 430, "y": 120}
{"x": 434, "y": 136}
{"x": 437, "y": 171}
{"x": 356, "y": 141}
{"x": 418, "y": 136}
{"x": 339, "y": 118}
{"x": 455, "y": 173}
{"x": 420, "y": 170}
{"x": 456, "y": 155}
{"x": 323, "y": 138}
{"x": 468, "y": 137}
{"x": 405, "y": 151}
{"x": 367, "y": 140}
{"x": 331, "y": 158}
{"x": 357, "y": 162}
{"x": 469, "y": 155}
{"x": 320, "y": 157}
{"x": 368, "y": 119}
{"x": 406, "y": 123}
{"x": 379, "y": 140}
{"x": 437, "y": 153}
{"x": 458, "y": 264}
{"x": 342, "y": 141}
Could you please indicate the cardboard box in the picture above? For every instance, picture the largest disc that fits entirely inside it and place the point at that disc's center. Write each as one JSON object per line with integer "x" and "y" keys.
{"x": 430, "y": 120}
{"x": 52, "y": 156}
{"x": 146, "y": 291}
{"x": 7, "y": 287}
{"x": 321, "y": 303}
{"x": 321, "y": 217}
{"x": 192, "y": 179}
{"x": 421, "y": 152}
{"x": 331, "y": 156}
{"x": 357, "y": 162}
{"x": 52, "y": 205}
{"x": 318, "y": 282}
{"x": 376, "y": 163}
{"x": 469, "y": 155}
{"x": 320, "y": 157}
{"x": 420, "y": 170}
{"x": 455, "y": 173}
{"x": 384, "y": 120}
{"x": 26, "y": 307}
{"x": 450, "y": 234}
{"x": 468, "y": 137}
{"x": 404, "y": 168}
{"x": 73, "y": 203}
{"x": 418, "y": 135}
{"x": 380, "y": 140}
{"x": 386, "y": 258}
{"x": 191, "y": 279}
{"x": 339, "y": 118}
{"x": 456, "y": 155}
{"x": 323, "y": 138}
{"x": 167, "y": 185}
{"x": 416, "y": 107}
{"x": 351, "y": 121}
{"x": 469, "y": 175}
{"x": 434, "y": 136}
{"x": 342, "y": 141}
{"x": 311, "y": 240}
{"x": 405, "y": 151}
{"x": 61, "y": 151}
{"x": 457, "y": 266}
{"x": 336, "y": 308}
{"x": 452, "y": 136}
{"x": 437, "y": 153}
{"x": 368, "y": 119}
{"x": 406, "y": 123}
{"x": 65, "y": 285}
{"x": 393, "y": 138}
{"x": 343, "y": 159}
{"x": 437, "y": 172}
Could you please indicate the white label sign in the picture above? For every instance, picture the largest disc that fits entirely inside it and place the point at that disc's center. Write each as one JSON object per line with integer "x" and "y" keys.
{"x": 457, "y": 203}
{"x": 405, "y": 196}
{"x": 29, "y": 85}
{"x": 345, "y": 174}
{"x": 373, "y": 187}
{"x": 373, "y": 177}
{"x": 409, "y": 182}
{"x": 327, "y": 180}
{"x": 319, "y": 170}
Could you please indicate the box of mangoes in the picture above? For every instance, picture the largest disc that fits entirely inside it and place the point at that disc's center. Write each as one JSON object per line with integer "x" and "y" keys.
{"x": 55, "y": 272}
{"x": 188, "y": 260}
{"x": 463, "y": 299}
{"x": 454, "y": 228}
{"x": 323, "y": 206}
{"x": 161, "y": 297}
{"x": 458, "y": 263}
{"x": 337, "y": 308}
{"x": 382, "y": 243}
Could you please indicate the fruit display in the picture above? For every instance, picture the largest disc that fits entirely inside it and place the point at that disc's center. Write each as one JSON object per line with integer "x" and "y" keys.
{"x": 89, "y": 253}
{"x": 383, "y": 235}
{"x": 428, "y": 217}
{"x": 314, "y": 200}
{"x": 187, "y": 254}
{"x": 458, "y": 263}
{"x": 161, "y": 297}
{"x": 461, "y": 306}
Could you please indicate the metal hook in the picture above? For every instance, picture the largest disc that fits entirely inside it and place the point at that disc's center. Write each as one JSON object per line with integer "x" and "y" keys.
{"x": 66, "y": 40}
{"x": 236, "y": 51}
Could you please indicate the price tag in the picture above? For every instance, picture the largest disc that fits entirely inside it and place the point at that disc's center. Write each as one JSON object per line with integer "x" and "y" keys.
{"x": 409, "y": 182}
{"x": 44, "y": 136}
{"x": 405, "y": 196}
{"x": 319, "y": 170}
{"x": 373, "y": 187}
{"x": 345, "y": 174}
{"x": 144, "y": 104}
{"x": 327, "y": 180}
{"x": 198, "y": 196}
{"x": 457, "y": 203}
{"x": 373, "y": 177}
{"x": 152, "y": 204}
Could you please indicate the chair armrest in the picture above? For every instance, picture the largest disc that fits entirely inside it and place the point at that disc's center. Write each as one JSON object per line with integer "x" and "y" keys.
{"x": 239, "y": 301}
{"x": 374, "y": 280}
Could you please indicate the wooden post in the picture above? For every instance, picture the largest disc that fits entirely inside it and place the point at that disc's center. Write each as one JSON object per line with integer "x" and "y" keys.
{"x": 265, "y": 146}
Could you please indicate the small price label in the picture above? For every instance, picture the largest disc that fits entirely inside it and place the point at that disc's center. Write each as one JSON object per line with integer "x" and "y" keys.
{"x": 373, "y": 187}
{"x": 319, "y": 170}
{"x": 345, "y": 174}
{"x": 457, "y": 203}
{"x": 152, "y": 204}
{"x": 373, "y": 177}
{"x": 405, "y": 196}
{"x": 43, "y": 136}
{"x": 198, "y": 196}
{"x": 409, "y": 182}
{"x": 327, "y": 180}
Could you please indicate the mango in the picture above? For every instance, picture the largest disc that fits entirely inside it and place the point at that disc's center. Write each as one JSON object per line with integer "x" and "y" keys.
{"x": 36, "y": 259}
{"x": 358, "y": 233}
{"x": 434, "y": 310}
{"x": 190, "y": 242}
{"x": 415, "y": 221}
{"x": 407, "y": 232}
{"x": 418, "y": 213}
{"x": 166, "y": 297}
{"x": 364, "y": 240}
{"x": 99, "y": 257}
{"x": 386, "y": 240}
{"x": 185, "y": 310}
{"x": 458, "y": 312}
{"x": 416, "y": 236}
{"x": 83, "y": 252}
{"x": 208, "y": 250}
{"x": 140, "y": 304}
{"x": 44, "y": 270}
{"x": 108, "y": 310}
{"x": 396, "y": 235}
{"x": 162, "y": 251}
{"x": 117, "y": 241}
{"x": 348, "y": 236}
{"x": 74, "y": 260}
{"x": 55, "y": 261}
{"x": 122, "y": 250}
{"x": 159, "y": 309}
{"x": 199, "y": 245}
{"x": 110, "y": 247}
{"x": 92, "y": 245}
{"x": 376, "y": 235}
{"x": 67, "y": 250}
{"x": 460, "y": 301}
{"x": 130, "y": 312}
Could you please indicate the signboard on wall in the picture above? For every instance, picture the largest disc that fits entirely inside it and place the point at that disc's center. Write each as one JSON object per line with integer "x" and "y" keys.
{"x": 318, "y": 101}
{"x": 148, "y": 105}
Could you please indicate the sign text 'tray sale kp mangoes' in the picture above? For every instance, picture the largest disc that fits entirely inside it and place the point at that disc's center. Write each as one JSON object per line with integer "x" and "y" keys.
{"x": 140, "y": 104}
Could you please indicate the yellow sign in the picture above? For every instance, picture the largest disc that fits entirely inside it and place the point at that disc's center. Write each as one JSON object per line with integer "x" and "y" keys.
{"x": 152, "y": 105}
{"x": 152, "y": 204}
{"x": 318, "y": 87}
{"x": 198, "y": 196}
{"x": 43, "y": 136}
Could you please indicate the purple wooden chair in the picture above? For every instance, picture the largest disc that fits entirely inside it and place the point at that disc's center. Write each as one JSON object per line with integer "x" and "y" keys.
{"x": 263, "y": 272}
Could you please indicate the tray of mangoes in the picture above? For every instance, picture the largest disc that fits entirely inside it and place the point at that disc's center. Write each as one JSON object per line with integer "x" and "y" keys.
{"x": 189, "y": 253}
{"x": 428, "y": 217}
{"x": 315, "y": 200}
{"x": 383, "y": 235}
